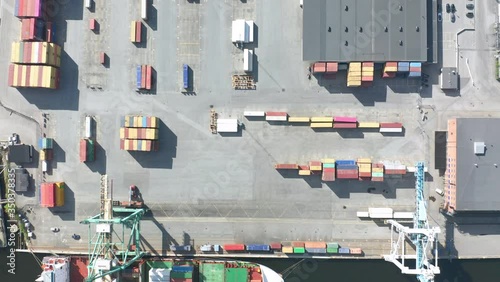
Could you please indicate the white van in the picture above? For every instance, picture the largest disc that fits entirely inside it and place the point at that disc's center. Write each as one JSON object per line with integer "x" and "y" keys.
{"x": 439, "y": 191}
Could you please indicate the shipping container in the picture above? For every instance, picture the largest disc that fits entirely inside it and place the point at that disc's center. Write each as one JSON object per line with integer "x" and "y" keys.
{"x": 46, "y": 154}
{"x": 332, "y": 250}
{"x": 90, "y": 150}
{"x": 88, "y": 4}
{"x": 227, "y": 125}
{"x": 316, "y": 250}
{"x": 344, "y": 251}
{"x": 234, "y": 247}
{"x": 298, "y": 119}
{"x": 182, "y": 268}
{"x": 321, "y": 125}
{"x": 83, "y": 150}
{"x": 347, "y": 167}
{"x": 139, "y": 145}
{"x": 286, "y": 166}
{"x": 276, "y": 116}
{"x": 345, "y": 162}
{"x": 304, "y": 167}
{"x": 59, "y": 193}
{"x": 390, "y": 130}
{"x": 328, "y": 174}
{"x": 45, "y": 143}
{"x": 133, "y": 32}
{"x": 257, "y": 247}
{"x": 304, "y": 172}
{"x": 315, "y": 245}
{"x": 47, "y": 195}
{"x": 298, "y": 244}
{"x": 185, "y": 76}
{"x": 315, "y": 165}
{"x": 328, "y": 161}
{"x": 287, "y": 249}
{"x": 25, "y": 76}
{"x": 362, "y": 214}
{"x": 247, "y": 60}
{"x": 319, "y": 67}
{"x": 92, "y": 24}
{"x": 143, "y": 77}
{"x": 88, "y": 127}
{"x": 322, "y": 119}
{"x": 332, "y": 245}
{"x": 391, "y": 125}
{"x": 329, "y": 165}
{"x": 144, "y": 9}
{"x": 181, "y": 248}
{"x": 138, "y": 31}
{"x": 254, "y": 113}
{"x": 332, "y": 67}
{"x": 238, "y": 31}
{"x": 377, "y": 179}
{"x": 403, "y": 215}
{"x": 149, "y": 73}
{"x": 102, "y": 58}
{"x": 299, "y": 250}
{"x": 344, "y": 125}
{"x": 39, "y": 53}
{"x": 356, "y": 251}
{"x": 345, "y": 119}
{"x": 368, "y": 125}
{"x": 139, "y": 133}
{"x": 44, "y": 166}
{"x": 275, "y": 246}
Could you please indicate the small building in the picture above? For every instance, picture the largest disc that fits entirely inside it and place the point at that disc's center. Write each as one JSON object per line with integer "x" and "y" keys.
{"x": 227, "y": 125}
{"x": 448, "y": 79}
{"x": 22, "y": 180}
{"x": 473, "y": 165}
{"x": 20, "y": 154}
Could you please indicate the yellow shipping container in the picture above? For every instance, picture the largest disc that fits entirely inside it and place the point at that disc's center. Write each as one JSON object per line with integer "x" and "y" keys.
{"x": 151, "y": 133}
{"x": 321, "y": 124}
{"x": 304, "y": 172}
{"x": 43, "y": 155}
{"x": 368, "y": 125}
{"x": 132, "y": 31}
{"x": 46, "y": 81}
{"x": 364, "y": 161}
{"x": 14, "y": 53}
{"x": 287, "y": 250}
{"x": 377, "y": 169}
{"x": 60, "y": 195}
{"x": 328, "y": 161}
{"x": 316, "y": 168}
{"x": 353, "y": 83}
{"x": 122, "y": 133}
{"x": 365, "y": 167}
{"x": 368, "y": 69}
{"x": 24, "y": 77}
{"x": 355, "y": 64}
{"x": 366, "y": 73}
{"x": 322, "y": 119}
{"x": 33, "y": 76}
{"x": 154, "y": 122}
{"x": 355, "y": 73}
{"x": 298, "y": 119}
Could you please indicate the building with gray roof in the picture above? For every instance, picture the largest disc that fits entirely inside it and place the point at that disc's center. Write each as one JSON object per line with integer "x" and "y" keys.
{"x": 473, "y": 170}
{"x": 367, "y": 30}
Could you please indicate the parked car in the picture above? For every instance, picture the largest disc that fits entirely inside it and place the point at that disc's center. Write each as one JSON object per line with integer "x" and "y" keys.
{"x": 448, "y": 9}
{"x": 453, "y": 18}
{"x": 470, "y": 6}
{"x": 440, "y": 17}
{"x": 453, "y": 10}
{"x": 470, "y": 15}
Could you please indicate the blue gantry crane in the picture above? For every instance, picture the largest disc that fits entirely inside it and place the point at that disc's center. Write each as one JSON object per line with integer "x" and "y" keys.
{"x": 420, "y": 235}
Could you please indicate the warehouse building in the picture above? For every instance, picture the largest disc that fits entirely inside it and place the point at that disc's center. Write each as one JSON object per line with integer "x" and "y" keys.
{"x": 473, "y": 165}
{"x": 20, "y": 154}
{"x": 374, "y": 31}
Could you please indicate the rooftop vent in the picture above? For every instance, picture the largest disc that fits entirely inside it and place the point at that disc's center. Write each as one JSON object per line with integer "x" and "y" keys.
{"x": 400, "y": 8}
{"x": 400, "y": 42}
{"x": 360, "y": 29}
{"x": 346, "y": 29}
{"x": 417, "y": 28}
{"x": 386, "y": 29}
{"x": 479, "y": 148}
{"x": 401, "y": 28}
{"x": 346, "y": 8}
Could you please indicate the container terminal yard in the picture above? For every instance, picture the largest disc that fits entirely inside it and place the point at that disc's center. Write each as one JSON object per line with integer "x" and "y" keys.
{"x": 239, "y": 129}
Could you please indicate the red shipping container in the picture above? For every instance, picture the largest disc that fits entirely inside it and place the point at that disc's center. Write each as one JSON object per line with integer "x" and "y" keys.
{"x": 138, "y": 31}
{"x": 328, "y": 176}
{"x": 234, "y": 247}
{"x": 347, "y": 174}
{"x": 19, "y": 75}
{"x": 148, "y": 77}
{"x": 275, "y": 246}
{"x": 315, "y": 245}
{"x": 378, "y": 165}
{"x": 11, "y": 75}
{"x": 377, "y": 179}
{"x": 40, "y": 76}
{"x": 83, "y": 150}
{"x": 391, "y": 125}
{"x": 368, "y": 64}
{"x": 143, "y": 76}
{"x": 28, "y": 76}
{"x": 277, "y": 114}
{"x": 314, "y": 163}
{"x": 298, "y": 244}
{"x": 395, "y": 171}
{"x": 122, "y": 144}
{"x": 345, "y": 119}
{"x": 102, "y": 58}
{"x": 367, "y": 78}
{"x": 365, "y": 174}
{"x": 92, "y": 24}
{"x": 303, "y": 167}
{"x": 344, "y": 125}
{"x": 47, "y": 195}
{"x": 286, "y": 166}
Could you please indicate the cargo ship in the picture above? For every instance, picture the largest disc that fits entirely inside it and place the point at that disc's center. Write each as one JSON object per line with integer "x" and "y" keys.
{"x": 74, "y": 269}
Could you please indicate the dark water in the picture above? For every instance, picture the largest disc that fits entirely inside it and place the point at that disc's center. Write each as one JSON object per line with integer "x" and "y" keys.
{"x": 315, "y": 271}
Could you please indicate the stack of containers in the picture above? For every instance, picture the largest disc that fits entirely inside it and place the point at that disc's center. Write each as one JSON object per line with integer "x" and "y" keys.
{"x": 315, "y": 247}
{"x": 347, "y": 169}
{"x": 276, "y": 116}
{"x": 298, "y": 247}
{"x": 345, "y": 122}
{"x": 391, "y": 127}
{"x": 415, "y": 69}
{"x": 315, "y": 166}
{"x": 377, "y": 172}
{"x": 28, "y": 8}
{"x": 304, "y": 170}
{"x": 319, "y": 67}
{"x": 328, "y": 170}
{"x": 393, "y": 168}
{"x": 87, "y": 150}
{"x": 136, "y": 32}
{"x": 354, "y": 74}
{"x": 47, "y": 195}
{"x": 390, "y": 70}
{"x": 331, "y": 70}
{"x": 367, "y": 74}
{"x": 286, "y": 166}
{"x": 365, "y": 169}
{"x": 33, "y": 76}
{"x": 276, "y": 246}
{"x": 32, "y": 29}
{"x": 181, "y": 273}
{"x": 143, "y": 77}
{"x": 139, "y": 133}
{"x": 46, "y": 146}
{"x": 287, "y": 247}
{"x": 332, "y": 248}
{"x": 321, "y": 122}
{"x": 36, "y": 53}
{"x": 403, "y": 66}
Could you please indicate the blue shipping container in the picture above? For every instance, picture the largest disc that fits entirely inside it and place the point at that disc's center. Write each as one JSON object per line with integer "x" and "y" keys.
{"x": 344, "y": 251}
{"x": 415, "y": 64}
{"x": 345, "y": 167}
{"x": 185, "y": 72}
{"x": 345, "y": 162}
{"x": 144, "y": 122}
{"x": 182, "y": 268}
{"x": 216, "y": 248}
{"x": 316, "y": 250}
{"x": 16, "y": 8}
{"x": 122, "y": 122}
{"x": 186, "y": 248}
{"x": 258, "y": 247}
{"x": 415, "y": 74}
{"x": 404, "y": 64}
{"x": 139, "y": 77}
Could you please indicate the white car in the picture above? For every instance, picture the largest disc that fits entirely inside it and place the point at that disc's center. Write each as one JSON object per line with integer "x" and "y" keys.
{"x": 440, "y": 17}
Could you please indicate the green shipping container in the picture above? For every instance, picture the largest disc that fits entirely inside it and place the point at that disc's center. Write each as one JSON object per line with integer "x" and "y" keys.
{"x": 328, "y": 165}
{"x": 377, "y": 174}
{"x": 90, "y": 150}
{"x": 332, "y": 250}
{"x": 332, "y": 245}
{"x": 181, "y": 274}
{"x": 160, "y": 264}
{"x": 299, "y": 250}
{"x": 211, "y": 272}
{"x": 236, "y": 275}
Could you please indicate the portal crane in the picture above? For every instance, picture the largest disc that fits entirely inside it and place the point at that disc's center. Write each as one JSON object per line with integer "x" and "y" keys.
{"x": 421, "y": 235}
{"x": 105, "y": 256}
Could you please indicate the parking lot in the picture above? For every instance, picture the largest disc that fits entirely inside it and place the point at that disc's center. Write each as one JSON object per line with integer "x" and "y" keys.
{"x": 219, "y": 189}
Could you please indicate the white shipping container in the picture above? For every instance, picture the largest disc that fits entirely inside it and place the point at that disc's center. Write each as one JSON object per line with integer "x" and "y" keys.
{"x": 380, "y": 215}
{"x": 362, "y": 214}
{"x": 249, "y": 31}
{"x": 238, "y": 31}
{"x": 254, "y": 113}
{"x": 144, "y": 9}
{"x": 44, "y": 166}
{"x": 406, "y": 215}
{"x": 380, "y": 212}
{"x": 277, "y": 118}
{"x": 391, "y": 130}
{"x": 247, "y": 60}
{"x": 88, "y": 127}
{"x": 88, "y": 4}
{"x": 227, "y": 125}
